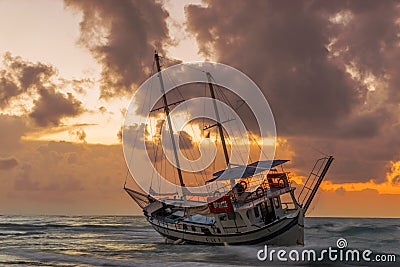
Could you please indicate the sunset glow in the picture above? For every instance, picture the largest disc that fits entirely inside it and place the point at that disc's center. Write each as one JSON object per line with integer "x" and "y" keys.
{"x": 69, "y": 70}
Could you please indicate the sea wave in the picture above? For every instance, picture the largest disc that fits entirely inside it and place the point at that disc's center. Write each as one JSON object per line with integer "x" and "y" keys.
{"x": 130, "y": 241}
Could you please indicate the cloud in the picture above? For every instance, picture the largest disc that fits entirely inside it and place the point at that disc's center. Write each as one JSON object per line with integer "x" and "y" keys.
{"x": 119, "y": 134}
{"x": 185, "y": 141}
{"x": 59, "y": 176}
{"x": 281, "y": 45}
{"x": 53, "y": 106}
{"x": 122, "y": 38}
{"x": 80, "y": 86}
{"x": 103, "y": 109}
{"x": 80, "y": 135}
{"x": 12, "y": 129}
{"x": 328, "y": 71}
{"x": 8, "y": 90}
{"x": 8, "y": 163}
{"x": 88, "y": 179}
{"x": 19, "y": 76}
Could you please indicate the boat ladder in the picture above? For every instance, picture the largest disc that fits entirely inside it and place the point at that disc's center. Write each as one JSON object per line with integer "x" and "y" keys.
{"x": 313, "y": 182}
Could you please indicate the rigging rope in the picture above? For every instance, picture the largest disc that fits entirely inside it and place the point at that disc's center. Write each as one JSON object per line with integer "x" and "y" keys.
{"x": 137, "y": 133}
{"x": 319, "y": 151}
{"x": 177, "y": 91}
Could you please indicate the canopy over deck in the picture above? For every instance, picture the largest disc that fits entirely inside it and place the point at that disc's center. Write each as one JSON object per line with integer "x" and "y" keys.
{"x": 246, "y": 171}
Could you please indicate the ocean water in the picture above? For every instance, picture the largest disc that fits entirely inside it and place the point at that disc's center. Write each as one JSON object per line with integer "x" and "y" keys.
{"x": 130, "y": 241}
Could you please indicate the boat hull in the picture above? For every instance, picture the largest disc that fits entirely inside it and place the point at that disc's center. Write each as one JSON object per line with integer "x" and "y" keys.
{"x": 287, "y": 231}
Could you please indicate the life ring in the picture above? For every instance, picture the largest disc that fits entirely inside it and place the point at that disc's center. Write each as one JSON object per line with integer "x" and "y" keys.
{"x": 259, "y": 192}
{"x": 281, "y": 183}
{"x": 265, "y": 184}
{"x": 241, "y": 187}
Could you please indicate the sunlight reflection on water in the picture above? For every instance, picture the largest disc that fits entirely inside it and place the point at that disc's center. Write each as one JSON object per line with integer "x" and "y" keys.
{"x": 130, "y": 241}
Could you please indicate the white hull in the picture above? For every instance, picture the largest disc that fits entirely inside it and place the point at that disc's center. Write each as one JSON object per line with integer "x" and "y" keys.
{"x": 286, "y": 231}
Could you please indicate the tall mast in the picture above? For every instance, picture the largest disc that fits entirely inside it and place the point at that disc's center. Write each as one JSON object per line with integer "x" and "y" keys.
{"x": 221, "y": 131}
{"x": 166, "y": 110}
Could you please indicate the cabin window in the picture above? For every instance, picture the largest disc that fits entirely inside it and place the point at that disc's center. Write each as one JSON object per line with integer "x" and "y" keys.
{"x": 206, "y": 231}
{"x": 193, "y": 229}
{"x": 276, "y": 202}
{"x": 184, "y": 227}
{"x": 256, "y": 212}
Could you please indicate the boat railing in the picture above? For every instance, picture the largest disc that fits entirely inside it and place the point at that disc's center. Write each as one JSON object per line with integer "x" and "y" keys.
{"x": 233, "y": 229}
{"x": 186, "y": 226}
{"x": 272, "y": 180}
{"x": 265, "y": 185}
{"x": 162, "y": 222}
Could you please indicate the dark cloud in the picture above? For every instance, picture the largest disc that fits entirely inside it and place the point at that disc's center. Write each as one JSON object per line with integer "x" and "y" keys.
{"x": 8, "y": 90}
{"x": 19, "y": 76}
{"x": 80, "y": 86}
{"x": 316, "y": 63}
{"x": 281, "y": 45}
{"x": 119, "y": 135}
{"x": 122, "y": 37}
{"x": 185, "y": 141}
{"x": 8, "y": 163}
{"x": 368, "y": 36}
{"x": 53, "y": 106}
{"x": 80, "y": 134}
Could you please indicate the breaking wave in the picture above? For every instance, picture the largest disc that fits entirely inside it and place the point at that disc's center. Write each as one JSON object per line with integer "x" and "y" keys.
{"x": 130, "y": 241}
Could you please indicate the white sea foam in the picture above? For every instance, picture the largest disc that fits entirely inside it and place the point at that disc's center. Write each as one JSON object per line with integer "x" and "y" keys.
{"x": 130, "y": 241}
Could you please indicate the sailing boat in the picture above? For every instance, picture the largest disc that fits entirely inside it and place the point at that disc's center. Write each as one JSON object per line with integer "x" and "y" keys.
{"x": 259, "y": 206}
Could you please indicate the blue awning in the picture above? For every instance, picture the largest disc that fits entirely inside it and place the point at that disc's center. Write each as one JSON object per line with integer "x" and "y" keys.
{"x": 246, "y": 171}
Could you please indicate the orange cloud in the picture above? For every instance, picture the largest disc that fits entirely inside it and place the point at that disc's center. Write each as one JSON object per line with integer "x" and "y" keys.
{"x": 390, "y": 186}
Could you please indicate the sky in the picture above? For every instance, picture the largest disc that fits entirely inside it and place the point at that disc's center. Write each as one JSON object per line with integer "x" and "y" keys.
{"x": 68, "y": 70}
